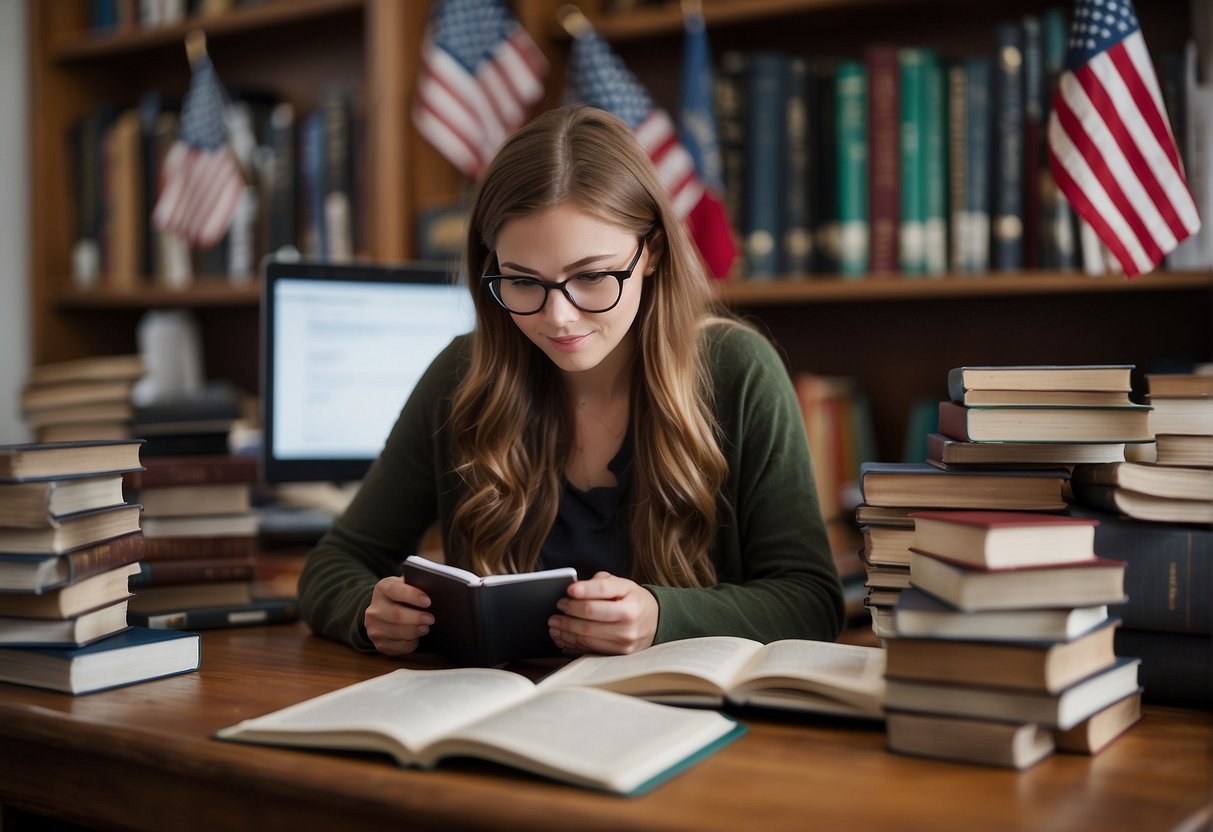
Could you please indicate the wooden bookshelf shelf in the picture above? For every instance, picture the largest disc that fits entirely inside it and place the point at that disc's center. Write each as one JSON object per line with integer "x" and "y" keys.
{"x": 666, "y": 19}
{"x": 896, "y": 287}
{"x": 86, "y": 45}
{"x": 217, "y": 293}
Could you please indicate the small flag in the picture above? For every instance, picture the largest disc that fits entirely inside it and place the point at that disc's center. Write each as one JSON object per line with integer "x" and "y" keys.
{"x": 200, "y": 180}
{"x": 708, "y": 221}
{"x": 480, "y": 76}
{"x": 1110, "y": 145}
{"x": 598, "y": 77}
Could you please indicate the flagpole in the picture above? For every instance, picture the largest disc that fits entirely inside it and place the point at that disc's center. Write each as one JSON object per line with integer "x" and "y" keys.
{"x": 573, "y": 20}
{"x": 195, "y": 46}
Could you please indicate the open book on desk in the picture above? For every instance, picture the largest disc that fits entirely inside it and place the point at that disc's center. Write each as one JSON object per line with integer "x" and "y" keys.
{"x": 491, "y": 620}
{"x": 585, "y": 737}
{"x": 792, "y": 674}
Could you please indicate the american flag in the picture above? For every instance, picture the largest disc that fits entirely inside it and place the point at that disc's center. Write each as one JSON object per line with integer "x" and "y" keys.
{"x": 598, "y": 77}
{"x": 200, "y": 180}
{"x": 709, "y": 221}
{"x": 480, "y": 75}
{"x": 1110, "y": 145}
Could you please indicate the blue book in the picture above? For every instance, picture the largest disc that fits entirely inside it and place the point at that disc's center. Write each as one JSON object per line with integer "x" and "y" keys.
{"x": 1009, "y": 156}
{"x": 797, "y": 243}
{"x": 765, "y": 136}
{"x": 134, "y": 655}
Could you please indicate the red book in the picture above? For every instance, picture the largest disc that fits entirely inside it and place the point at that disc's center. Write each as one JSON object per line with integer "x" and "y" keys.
{"x": 884, "y": 154}
{"x": 194, "y": 470}
{"x": 1004, "y": 539}
{"x": 194, "y": 548}
{"x": 194, "y": 571}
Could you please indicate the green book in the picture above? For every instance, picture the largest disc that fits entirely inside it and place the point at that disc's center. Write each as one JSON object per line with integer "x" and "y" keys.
{"x": 912, "y": 243}
{"x": 935, "y": 167}
{"x": 851, "y": 86}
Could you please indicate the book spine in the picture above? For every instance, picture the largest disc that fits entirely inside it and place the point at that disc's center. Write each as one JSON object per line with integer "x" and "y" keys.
{"x": 852, "y": 153}
{"x": 957, "y": 163}
{"x": 312, "y": 150}
{"x": 764, "y": 163}
{"x": 1058, "y": 221}
{"x": 1169, "y": 577}
{"x": 1034, "y": 113}
{"x": 823, "y": 165}
{"x": 201, "y": 571}
{"x": 268, "y": 611}
{"x": 953, "y": 421}
{"x": 935, "y": 177}
{"x": 885, "y": 158}
{"x": 731, "y": 124}
{"x": 104, "y": 556}
{"x": 911, "y": 251}
{"x": 797, "y": 243}
{"x": 202, "y": 470}
{"x": 193, "y": 548}
{"x": 978, "y": 74}
{"x": 1175, "y": 668}
{"x": 283, "y": 219}
{"x": 1009, "y": 154}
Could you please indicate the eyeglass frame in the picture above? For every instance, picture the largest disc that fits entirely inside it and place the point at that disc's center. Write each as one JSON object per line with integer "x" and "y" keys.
{"x": 620, "y": 275}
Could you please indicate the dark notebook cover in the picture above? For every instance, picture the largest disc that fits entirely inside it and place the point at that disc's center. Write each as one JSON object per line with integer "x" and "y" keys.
{"x": 486, "y": 625}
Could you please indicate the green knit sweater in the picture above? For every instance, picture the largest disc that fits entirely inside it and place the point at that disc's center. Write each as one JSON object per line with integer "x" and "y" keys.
{"x": 776, "y": 575}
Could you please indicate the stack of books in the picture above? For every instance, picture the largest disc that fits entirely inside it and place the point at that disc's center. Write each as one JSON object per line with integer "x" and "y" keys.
{"x": 190, "y": 424}
{"x": 1177, "y": 486}
{"x": 1008, "y": 439}
{"x": 1004, "y": 648}
{"x": 893, "y": 491}
{"x": 201, "y": 535}
{"x": 88, "y": 398}
{"x": 69, "y": 544}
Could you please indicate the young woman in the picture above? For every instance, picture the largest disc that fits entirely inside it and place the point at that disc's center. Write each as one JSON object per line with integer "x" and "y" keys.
{"x": 601, "y": 416}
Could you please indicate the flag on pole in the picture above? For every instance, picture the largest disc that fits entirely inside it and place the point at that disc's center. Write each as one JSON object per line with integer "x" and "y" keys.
{"x": 708, "y": 221}
{"x": 480, "y": 76}
{"x": 200, "y": 180}
{"x": 598, "y": 77}
{"x": 1110, "y": 145}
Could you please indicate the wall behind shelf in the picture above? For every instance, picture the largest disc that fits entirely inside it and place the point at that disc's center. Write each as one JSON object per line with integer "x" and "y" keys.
{"x": 14, "y": 217}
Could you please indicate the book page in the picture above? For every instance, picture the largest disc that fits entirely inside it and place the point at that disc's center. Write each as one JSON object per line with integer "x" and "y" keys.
{"x": 842, "y": 667}
{"x": 715, "y": 659}
{"x": 462, "y": 575}
{"x": 412, "y": 707}
{"x": 591, "y": 737}
{"x": 566, "y": 572}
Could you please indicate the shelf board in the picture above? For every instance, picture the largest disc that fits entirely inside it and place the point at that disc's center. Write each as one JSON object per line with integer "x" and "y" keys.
{"x": 204, "y": 292}
{"x": 89, "y": 44}
{"x": 896, "y": 287}
{"x": 666, "y": 19}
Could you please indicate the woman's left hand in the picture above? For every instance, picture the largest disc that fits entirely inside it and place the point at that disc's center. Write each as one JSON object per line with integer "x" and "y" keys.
{"x": 606, "y": 614}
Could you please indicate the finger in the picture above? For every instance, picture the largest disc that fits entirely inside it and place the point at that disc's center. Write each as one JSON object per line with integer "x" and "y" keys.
{"x": 602, "y": 585}
{"x": 396, "y": 589}
{"x": 594, "y": 610}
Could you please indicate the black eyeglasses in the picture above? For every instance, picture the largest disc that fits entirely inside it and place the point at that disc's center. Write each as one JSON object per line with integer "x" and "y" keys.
{"x": 589, "y": 292}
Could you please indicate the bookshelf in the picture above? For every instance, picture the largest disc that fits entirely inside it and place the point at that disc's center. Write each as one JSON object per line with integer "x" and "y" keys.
{"x": 897, "y": 336}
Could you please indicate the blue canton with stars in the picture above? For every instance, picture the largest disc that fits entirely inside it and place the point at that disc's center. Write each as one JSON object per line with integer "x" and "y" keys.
{"x": 469, "y": 30}
{"x": 202, "y": 124}
{"x": 1098, "y": 25}
{"x": 600, "y": 79}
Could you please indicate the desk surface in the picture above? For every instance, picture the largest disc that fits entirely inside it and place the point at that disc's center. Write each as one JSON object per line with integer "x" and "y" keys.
{"x": 143, "y": 757}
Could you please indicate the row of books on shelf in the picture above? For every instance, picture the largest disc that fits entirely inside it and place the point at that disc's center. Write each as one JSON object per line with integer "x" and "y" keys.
{"x": 1013, "y": 609}
{"x": 91, "y": 595}
{"x": 304, "y": 177}
{"x": 110, "y": 15}
{"x": 906, "y": 162}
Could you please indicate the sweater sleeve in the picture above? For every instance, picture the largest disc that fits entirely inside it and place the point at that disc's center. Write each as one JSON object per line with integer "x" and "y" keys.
{"x": 776, "y": 574}
{"x": 384, "y": 523}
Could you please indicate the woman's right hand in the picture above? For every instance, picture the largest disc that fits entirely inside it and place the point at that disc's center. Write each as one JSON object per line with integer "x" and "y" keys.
{"x": 392, "y": 622}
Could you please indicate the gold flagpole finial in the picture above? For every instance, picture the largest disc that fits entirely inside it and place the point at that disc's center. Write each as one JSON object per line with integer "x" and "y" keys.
{"x": 573, "y": 20}
{"x": 195, "y": 46}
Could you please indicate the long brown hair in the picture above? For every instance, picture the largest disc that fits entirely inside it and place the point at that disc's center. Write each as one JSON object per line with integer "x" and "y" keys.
{"x": 510, "y": 419}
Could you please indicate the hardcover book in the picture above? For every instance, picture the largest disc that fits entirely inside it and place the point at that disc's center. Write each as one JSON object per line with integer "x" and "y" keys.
{"x": 1193, "y": 416}
{"x": 58, "y": 459}
{"x": 1097, "y": 731}
{"x": 67, "y": 632}
{"x": 989, "y": 423}
{"x": 919, "y": 485}
{"x": 491, "y": 620}
{"x": 43, "y": 503}
{"x": 1087, "y": 583}
{"x": 1004, "y": 539}
{"x": 72, "y": 532}
{"x": 1061, "y": 710}
{"x": 258, "y": 611}
{"x": 69, "y": 601}
{"x": 943, "y": 452}
{"x": 1144, "y": 506}
{"x": 793, "y": 674}
{"x": 1038, "y": 377}
{"x": 1185, "y": 450}
{"x": 1144, "y": 478}
{"x": 94, "y": 368}
{"x": 134, "y": 655}
{"x": 1043, "y": 666}
{"x": 420, "y": 717}
{"x": 40, "y": 573}
{"x": 919, "y": 615}
{"x": 989, "y": 742}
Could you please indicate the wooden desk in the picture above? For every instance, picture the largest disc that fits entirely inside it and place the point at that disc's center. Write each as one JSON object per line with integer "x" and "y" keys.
{"x": 142, "y": 757}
